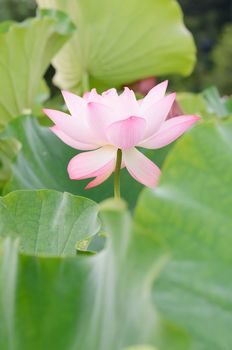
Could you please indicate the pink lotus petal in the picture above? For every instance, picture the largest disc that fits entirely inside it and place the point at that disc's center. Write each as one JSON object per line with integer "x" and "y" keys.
{"x": 76, "y": 128}
{"x": 99, "y": 116}
{"x": 124, "y": 105}
{"x": 112, "y": 100}
{"x": 170, "y": 131}
{"x": 57, "y": 116}
{"x": 93, "y": 96}
{"x": 103, "y": 176}
{"x": 154, "y": 95}
{"x": 129, "y": 102}
{"x": 63, "y": 121}
{"x": 157, "y": 113}
{"x": 90, "y": 164}
{"x": 76, "y": 104}
{"x": 111, "y": 93}
{"x": 71, "y": 142}
{"x": 126, "y": 133}
{"x": 141, "y": 168}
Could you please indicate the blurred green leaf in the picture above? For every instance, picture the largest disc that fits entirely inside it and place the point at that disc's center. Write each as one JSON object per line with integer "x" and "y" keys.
{"x": 47, "y": 222}
{"x": 26, "y": 51}
{"x": 207, "y": 104}
{"x": 190, "y": 215}
{"x": 215, "y": 103}
{"x": 42, "y": 163}
{"x": 192, "y": 103}
{"x": 121, "y": 41}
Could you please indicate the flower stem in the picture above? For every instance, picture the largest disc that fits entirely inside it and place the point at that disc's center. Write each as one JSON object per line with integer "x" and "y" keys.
{"x": 117, "y": 174}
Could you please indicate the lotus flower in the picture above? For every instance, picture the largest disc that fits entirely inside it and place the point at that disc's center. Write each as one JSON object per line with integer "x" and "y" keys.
{"x": 104, "y": 124}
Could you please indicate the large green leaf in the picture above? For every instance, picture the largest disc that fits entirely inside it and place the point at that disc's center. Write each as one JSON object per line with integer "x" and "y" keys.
{"x": 26, "y": 51}
{"x": 120, "y": 41}
{"x": 190, "y": 214}
{"x": 98, "y": 302}
{"x": 48, "y": 222}
{"x": 43, "y": 159}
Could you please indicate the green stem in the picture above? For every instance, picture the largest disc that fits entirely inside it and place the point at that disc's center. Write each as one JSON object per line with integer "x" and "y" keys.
{"x": 117, "y": 174}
